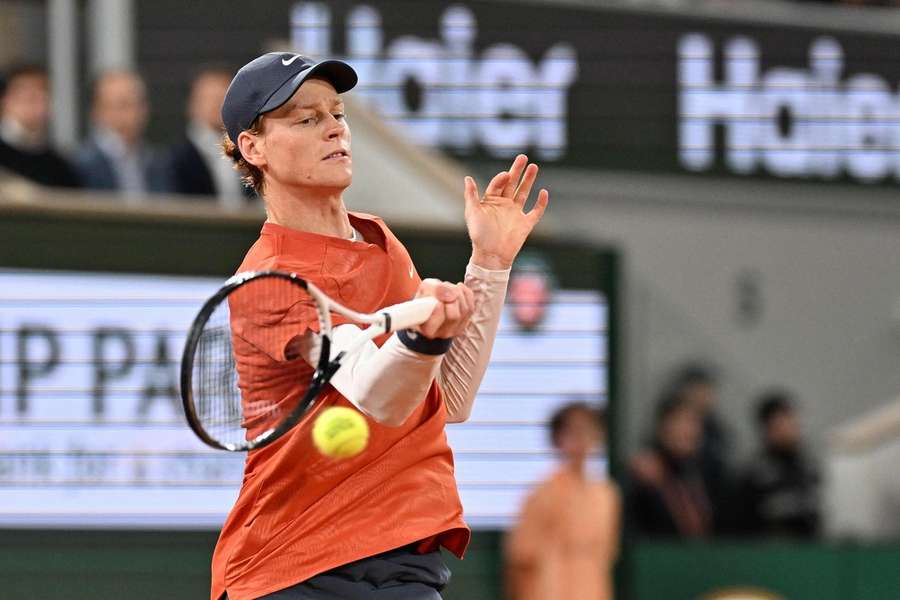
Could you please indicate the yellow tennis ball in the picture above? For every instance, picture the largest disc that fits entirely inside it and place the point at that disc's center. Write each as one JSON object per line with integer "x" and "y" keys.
{"x": 340, "y": 432}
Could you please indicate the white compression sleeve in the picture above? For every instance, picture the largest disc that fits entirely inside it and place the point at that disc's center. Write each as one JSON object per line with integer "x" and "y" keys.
{"x": 464, "y": 365}
{"x": 386, "y": 383}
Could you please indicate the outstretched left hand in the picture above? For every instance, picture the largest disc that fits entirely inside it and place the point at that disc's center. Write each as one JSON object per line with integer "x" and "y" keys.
{"x": 498, "y": 224}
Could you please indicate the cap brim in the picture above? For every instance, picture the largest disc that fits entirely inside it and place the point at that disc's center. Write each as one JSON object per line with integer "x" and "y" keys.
{"x": 338, "y": 73}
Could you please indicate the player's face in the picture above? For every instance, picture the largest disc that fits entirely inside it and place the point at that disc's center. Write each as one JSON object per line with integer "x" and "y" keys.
{"x": 305, "y": 143}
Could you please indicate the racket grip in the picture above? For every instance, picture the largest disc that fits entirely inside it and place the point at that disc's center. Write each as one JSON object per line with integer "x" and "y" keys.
{"x": 411, "y": 313}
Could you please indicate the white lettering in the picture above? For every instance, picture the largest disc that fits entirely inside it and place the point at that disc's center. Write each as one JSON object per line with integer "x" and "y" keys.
{"x": 506, "y": 123}
{"x": 409, "y": 63}
{"x": 870, "y": 107}
{"x": 788, "y": 122}
{"x": 781, "y": 126}
{"x": 441, "y": 93}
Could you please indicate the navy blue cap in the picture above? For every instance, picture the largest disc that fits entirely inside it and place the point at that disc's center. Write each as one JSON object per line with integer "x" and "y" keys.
{"x": 269, "y": 81}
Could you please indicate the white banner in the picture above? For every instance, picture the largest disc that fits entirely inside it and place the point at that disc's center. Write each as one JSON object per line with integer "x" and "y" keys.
{"x": 92, "y": 431}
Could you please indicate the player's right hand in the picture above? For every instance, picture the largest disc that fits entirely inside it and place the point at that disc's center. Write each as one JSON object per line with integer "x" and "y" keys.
{"x": 451, "y": 315}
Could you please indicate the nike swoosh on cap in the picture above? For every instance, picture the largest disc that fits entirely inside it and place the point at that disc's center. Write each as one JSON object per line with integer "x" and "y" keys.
{"x": 288, "y": 62}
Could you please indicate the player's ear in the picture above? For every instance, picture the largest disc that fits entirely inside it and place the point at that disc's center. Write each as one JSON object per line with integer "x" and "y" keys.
{"x": 252, "y": 147}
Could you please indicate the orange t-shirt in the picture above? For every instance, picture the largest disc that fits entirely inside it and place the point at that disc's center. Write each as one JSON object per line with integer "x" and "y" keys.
{"x": 566, "y": 541}
{"x": 299, "y": 513}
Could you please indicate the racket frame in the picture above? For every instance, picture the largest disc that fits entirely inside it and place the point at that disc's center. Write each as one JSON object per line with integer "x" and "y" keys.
{"x": 399, "y": 316}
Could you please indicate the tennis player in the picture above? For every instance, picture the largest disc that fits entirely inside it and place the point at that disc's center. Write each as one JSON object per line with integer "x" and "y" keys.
{"x": 306, "y": 526}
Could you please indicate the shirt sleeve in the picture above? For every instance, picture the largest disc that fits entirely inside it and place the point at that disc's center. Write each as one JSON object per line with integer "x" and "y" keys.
{"x": 464, "y": 365}
{"x": 386, "y": 383}
{"x": 270, "y": 316}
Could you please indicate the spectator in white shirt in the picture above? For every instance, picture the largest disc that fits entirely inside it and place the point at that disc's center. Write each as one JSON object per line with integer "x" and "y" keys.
{"x": 116, "y": 157}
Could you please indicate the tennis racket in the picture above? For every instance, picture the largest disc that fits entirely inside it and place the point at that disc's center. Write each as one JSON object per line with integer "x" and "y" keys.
{"x": 254, "y": 324}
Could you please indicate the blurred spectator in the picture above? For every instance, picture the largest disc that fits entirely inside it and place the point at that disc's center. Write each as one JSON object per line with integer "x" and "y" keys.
{"x": 668, "y": 496}
{"x": 197, "y": 165}
{"x": 531, "y": 286}
{"x": 567, "y": 538}
{"x": 24, "y": 124}
{"x": 698, "y": 386}
{"x": 779, "y": 490}
{"x": 116, "y": 157}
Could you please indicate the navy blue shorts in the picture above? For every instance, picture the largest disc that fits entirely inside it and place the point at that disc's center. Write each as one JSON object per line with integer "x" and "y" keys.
{"x": 400, "y": 574}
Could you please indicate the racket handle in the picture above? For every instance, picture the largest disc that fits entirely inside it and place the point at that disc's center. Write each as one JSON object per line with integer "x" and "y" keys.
{"x": 411, "y": 313}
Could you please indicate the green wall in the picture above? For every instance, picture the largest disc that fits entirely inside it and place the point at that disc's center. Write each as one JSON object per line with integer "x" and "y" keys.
{"x": 670, "y": 571}
{"x": 190, "y": 244}
{"x": 82, "y": 565}
{"x": 139, "y": 565}
{"x": 86, "y": 565}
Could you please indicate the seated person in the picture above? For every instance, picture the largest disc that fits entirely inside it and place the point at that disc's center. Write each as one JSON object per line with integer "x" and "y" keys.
{"x": 196, "y": 165}
{"x": 667, "y": 496}
{"x": 780, "y": 486}
{"x": 116, "y": 157}
{"x": 699, "y": 385}
{"x": 24, "y": 122}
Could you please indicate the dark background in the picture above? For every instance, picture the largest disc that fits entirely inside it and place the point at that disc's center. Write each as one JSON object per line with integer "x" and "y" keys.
{"x": 622, "y": 106}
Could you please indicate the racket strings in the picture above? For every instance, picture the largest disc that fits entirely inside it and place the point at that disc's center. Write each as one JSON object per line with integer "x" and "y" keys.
{"x": 218, "y": 396}
{"x": 241, "y": 388}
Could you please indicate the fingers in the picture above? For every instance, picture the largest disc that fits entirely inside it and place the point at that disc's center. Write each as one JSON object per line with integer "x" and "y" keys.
{"x": 467, "y": 296}
{"x": 457, "y": 312}
{"x": 452, "y": 313}
{"x": 467, "y": 303}
{"x": 430, "y": 327}
{"x": 497, "y": 184}
{"x": 515, "y": 174}
{"x": 524, "y": 189}
{"x": 449, "y": 295}
{"x": 443, "y": 291}
{"x": 427, "y": 287}
{"x": 514, "y": 184}
{"x": 471, "y": 192}
{"x": 537, "y": 211}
